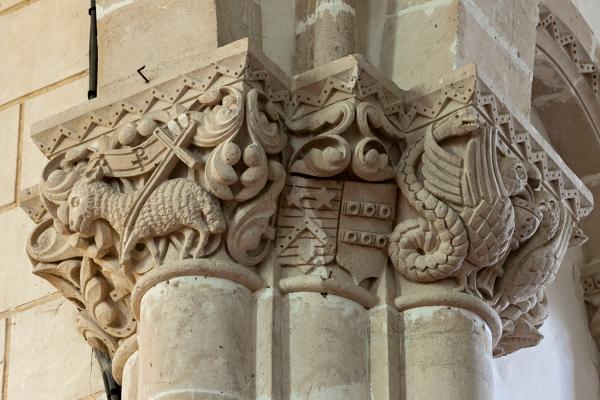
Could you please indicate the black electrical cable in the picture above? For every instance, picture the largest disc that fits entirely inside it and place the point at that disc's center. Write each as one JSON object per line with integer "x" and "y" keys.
{"x": 93, "y": 71}
{"x": 112, "y": 388}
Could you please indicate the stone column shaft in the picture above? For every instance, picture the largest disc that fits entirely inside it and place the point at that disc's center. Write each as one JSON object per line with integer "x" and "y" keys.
{"x": 447, "y": 355}
{"x": 326, "y": 353}
{"x": 130, "y": 383}
{"x": 325, "y": 31}
{"x": 447, "y": 345}
{"x": 237, "y": 225}
{"x": 196, "y": 340}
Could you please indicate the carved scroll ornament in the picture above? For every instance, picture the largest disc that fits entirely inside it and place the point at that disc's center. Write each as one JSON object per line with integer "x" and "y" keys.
{"x": 225, "y": 177}
{"x": 173, "y": 187}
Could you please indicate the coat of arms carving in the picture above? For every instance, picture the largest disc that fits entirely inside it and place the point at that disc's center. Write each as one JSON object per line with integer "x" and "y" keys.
{"x": 333, "y": 222}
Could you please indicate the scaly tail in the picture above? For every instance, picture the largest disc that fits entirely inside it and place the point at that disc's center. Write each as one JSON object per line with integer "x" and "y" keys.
{"x": 431, "y": 247}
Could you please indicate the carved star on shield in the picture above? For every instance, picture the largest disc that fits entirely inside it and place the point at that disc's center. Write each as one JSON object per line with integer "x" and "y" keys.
{"x": 295, "y": 196}
{"x": 324, "y": 198}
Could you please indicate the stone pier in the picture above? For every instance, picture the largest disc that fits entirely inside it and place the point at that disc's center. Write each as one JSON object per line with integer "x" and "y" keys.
{"x": 234, "y": 231}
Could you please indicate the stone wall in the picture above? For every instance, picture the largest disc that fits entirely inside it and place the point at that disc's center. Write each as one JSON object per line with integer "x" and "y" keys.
{"x": 44, "y": 71}
{"x": 565, "y": 364}
{"x": 45, "y": 43}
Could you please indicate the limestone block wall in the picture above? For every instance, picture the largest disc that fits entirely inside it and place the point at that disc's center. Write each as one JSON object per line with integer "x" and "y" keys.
{"x": 416, "y": 40}
{"x": 43, "y": 47}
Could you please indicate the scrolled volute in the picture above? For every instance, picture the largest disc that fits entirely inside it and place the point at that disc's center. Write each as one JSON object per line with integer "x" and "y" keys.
{"x": 176, "y": 185}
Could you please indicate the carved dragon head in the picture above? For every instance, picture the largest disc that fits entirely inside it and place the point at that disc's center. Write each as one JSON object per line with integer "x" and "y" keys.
{"x": 459, "y": 122}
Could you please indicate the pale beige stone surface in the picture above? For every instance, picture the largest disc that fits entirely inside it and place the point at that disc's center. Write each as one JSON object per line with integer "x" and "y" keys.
{"x": 129, "y": 386}
{"x": 327, "y": 283}
{"x": 385, "y": 352}
{"x": 40, "y": 107}
{"x": 53, "y": 38}
{"x": 447, "y": 355}
{"x": 592, "y": 248}
{"x": 5, "y": 4}
{"x": 2, "y": 351}
{"x": 268, "y": 338}
{"x": 329, "y": 340}
{"x": 196, "y": 339}
{"x": 335, "y": 30}
{"x": 590, "y": 11}
{"x": 411, "y": 36}
{"x": 48, "y": 358}
{"x": 278, "y": 32}
{"x": 9, "y": 139}
{"x": 416, "y": 41}
{"x": 325, "y": 354}
{"x": 17, "y": 285}
{"x": 514, "y": 20}
{"x": 565, "y": 364}
{"x": 132, "y": 31}
{"x": 498, "y": 58}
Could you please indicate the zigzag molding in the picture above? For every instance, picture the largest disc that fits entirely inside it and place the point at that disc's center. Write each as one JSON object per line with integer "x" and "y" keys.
{"x": 462, "y": 88}
{"x": 521, "y": 143}
{"x": 559, "y": 31}
{"x": 164, "y": 96}
{"x": 348, "y": 78}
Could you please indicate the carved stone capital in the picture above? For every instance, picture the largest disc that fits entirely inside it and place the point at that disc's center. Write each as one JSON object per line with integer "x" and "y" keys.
{"x": 491, "y": 206}
{"x": 229, "y": 169}
{"x": 181, "y": 179}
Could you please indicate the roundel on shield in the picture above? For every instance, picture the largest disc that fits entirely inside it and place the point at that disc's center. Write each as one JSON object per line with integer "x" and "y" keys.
{"x": 323, "y": 222}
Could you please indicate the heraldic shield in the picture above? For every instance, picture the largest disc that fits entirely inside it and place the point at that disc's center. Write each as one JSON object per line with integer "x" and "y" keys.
{"x": 324, "y": 222}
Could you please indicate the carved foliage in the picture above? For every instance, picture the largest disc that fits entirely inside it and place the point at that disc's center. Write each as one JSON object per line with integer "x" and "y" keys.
{"x": 164, "y": 188}
{"x": 201, "y": 177}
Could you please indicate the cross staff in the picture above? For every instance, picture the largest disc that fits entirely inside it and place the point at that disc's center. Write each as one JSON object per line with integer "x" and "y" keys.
{"x": 176, "y": 153}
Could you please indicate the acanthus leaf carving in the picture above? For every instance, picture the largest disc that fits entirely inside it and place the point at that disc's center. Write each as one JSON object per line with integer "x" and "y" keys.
{"x": 220, "y": 117}
{"x": 371, "y": 161}
{"x": 334, "y": 119}
{"x": 125, "y": 204}
{"x": 251, "y": 228}
{"x": 324, "y": 156}
{"x": 222, "y": 172}
{"x": 237, "y": 168}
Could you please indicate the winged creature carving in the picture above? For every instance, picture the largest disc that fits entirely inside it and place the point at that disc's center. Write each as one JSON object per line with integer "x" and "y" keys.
{"x": 460, "y": 188}
{"x": 532, "y": 267}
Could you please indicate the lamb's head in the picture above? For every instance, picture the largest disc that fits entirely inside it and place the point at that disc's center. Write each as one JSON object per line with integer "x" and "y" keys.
{"x": 84, "y": 205}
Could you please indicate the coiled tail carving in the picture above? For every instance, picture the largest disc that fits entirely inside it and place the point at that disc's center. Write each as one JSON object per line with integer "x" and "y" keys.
{"x": 434, "y": 246}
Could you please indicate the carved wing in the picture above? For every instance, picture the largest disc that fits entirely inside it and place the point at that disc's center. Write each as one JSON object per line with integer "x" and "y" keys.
{"x": 535, "y": 267}
{"x": 442, "y": 170}
{"x": 472, "y": 183}
{"x": 465, "y": 180}
{"x": 481, "y": 179}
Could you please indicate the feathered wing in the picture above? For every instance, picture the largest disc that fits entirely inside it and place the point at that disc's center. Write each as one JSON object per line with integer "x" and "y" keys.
{"x": 535, "y": 266}
{"x": 472, "y": 183}
{"x": 488, "y": 212}
{"x": 442, "y": 171}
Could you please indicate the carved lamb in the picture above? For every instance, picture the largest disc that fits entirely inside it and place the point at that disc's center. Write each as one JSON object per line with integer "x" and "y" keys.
{"x": 177, "y": 204}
